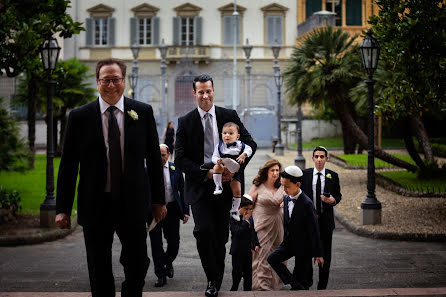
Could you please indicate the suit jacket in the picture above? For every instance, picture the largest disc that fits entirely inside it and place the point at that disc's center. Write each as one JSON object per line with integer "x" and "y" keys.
{"x": 244, "y": 237}
{"x": 301, "y": 231}
{"x": 84, "y": 152}
{"x": 189, "y": 151}
{"x": 331, "y": 185}
{"x": 177, "y": 183}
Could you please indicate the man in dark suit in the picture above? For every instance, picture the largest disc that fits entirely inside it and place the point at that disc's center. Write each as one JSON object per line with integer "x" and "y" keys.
{"x": 108, "y": 142}
{"x": 177, "y": 210}
{"x": 198, "y": 133}
{"x": 301, "y": 233}
{"x": 318, "y": 181}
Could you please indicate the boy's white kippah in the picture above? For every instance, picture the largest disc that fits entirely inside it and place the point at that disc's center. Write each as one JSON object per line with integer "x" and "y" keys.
{"x": 294, "y": 171}
{"x": 247, "y": 196}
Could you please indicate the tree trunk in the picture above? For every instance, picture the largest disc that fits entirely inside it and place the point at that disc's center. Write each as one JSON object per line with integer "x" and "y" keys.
{"x": 347, "y": 120}
{"x": 420, "y": 132}
{"x": 349, "y": 141}
{"x": 411, "y": 148}
{"x": 31, "y": 117}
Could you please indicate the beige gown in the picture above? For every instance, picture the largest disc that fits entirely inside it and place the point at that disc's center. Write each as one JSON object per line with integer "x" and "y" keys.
{"x": 268, "y": 222}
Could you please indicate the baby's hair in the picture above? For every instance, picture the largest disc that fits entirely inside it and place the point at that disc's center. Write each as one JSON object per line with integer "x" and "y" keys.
{"x": 245, "y": 202}
{"x": 232, "y": 124}
{"x": 292, "y": 179}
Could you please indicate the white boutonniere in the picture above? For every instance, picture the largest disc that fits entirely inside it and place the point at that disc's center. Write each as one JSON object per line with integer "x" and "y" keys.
{"x": 172, "y": 167}
{"x": 328, "y": 175}
{"x": 133, "y": 115}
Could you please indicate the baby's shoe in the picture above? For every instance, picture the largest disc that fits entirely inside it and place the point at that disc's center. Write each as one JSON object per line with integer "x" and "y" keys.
{"x": 218, "y": 190}
{"x": 235, "y": 215}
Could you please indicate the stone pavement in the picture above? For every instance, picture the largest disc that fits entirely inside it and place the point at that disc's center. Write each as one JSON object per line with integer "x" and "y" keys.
{"x": 358, "y": 263}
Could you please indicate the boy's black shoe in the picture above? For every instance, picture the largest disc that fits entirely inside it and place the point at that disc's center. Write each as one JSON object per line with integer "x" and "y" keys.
{"x": 211, "y": 290}
{"x": 295, "y": 286}
{"x": 169, "y": 269}
{"x": 161, "y": 282}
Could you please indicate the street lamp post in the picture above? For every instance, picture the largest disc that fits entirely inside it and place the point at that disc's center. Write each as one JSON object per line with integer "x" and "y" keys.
{"x": 134, "y": 75}
{"x": 247, "y": 49}
{"x": 50, "y": 54}
{"x": 299, "y": 161}
{"x": 234, "y": 64}
{"x": 370, "y": 207}
{"x": 163, "y": 51}
{"x": 278, "y": 79}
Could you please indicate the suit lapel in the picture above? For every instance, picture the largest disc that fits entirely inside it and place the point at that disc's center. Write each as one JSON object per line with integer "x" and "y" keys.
{"x": 128, "y": 124}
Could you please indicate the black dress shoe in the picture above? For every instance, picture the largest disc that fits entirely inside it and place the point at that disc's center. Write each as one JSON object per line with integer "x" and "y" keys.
{"x": 295, "y": 286}
{"x": 211, "y": 290}
{"x": 169, "y": 271}
{"x": 161, "y": 282}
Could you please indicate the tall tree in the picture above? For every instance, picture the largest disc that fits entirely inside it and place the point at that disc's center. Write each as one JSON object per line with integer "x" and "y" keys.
{"x": 324, "y": 67}
{"x": 24, "y": 25}
{"x": 412, "y": 35}
{"x": 72, "y": 90}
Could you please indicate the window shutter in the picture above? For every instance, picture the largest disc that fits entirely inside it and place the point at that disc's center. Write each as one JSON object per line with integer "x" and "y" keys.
{"x": 270, "y": 30}
{"x": 278, "y": 29}
{"x": 312, "y": 6}
{"x": 176, "y": 30}
{"x": 198, "y": 24}
{"x": 89, "y": 31}
{"x": 133, "y": 30}
{"x": 156, "y": 30}
{"x": 111, "y": 31}
{"x": 353, "y": 13}
{"x": 228, "y": 30}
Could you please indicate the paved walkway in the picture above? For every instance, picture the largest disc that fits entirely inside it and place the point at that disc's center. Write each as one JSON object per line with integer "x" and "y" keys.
{"x": 358, "y": 263}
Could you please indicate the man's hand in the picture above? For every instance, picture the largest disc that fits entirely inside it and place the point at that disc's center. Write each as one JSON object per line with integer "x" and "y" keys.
{"x": 319, "y": 260}
{"x": 185, "y": 219}
{"x": 159, "y": 212}
{"x": 241, "y": 158}
{"x": 328, "y": 200}
{"x": 227, "y": 175}
{"x": 63, "y": 221}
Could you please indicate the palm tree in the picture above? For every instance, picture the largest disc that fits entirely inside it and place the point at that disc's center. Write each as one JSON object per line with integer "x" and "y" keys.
{"x": 322, "y": 70}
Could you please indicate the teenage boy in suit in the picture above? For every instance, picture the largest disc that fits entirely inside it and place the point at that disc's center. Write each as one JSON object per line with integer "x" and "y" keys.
{"x": 177, "y": 210}
{"x": 322, "y": 186}
{"x": 108, "y": 142}
{"x": 243, "y": 240}
{"x": 301, "y": 233}
{"x": 198, "y": 133}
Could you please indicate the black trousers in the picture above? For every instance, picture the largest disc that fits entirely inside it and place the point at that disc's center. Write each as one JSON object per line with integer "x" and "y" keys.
{"x": 326, "y": 236}
{"x": 302, "y": 266}
{"x": 170, "y": 227}
{"x": 98, "y": 243}
{"x": 211, "y": 231}
{"x": 242, "y": 267}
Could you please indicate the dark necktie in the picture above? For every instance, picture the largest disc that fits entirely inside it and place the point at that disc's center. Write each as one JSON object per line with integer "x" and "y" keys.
{"x": 208, "y": 138}
{"x": 114, "y": 154}
{"x": 318, "y": 194}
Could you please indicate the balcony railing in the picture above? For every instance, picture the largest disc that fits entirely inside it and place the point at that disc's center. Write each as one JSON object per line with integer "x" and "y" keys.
{"x": 198, "y": 53}
{"x": 318, "y": 19}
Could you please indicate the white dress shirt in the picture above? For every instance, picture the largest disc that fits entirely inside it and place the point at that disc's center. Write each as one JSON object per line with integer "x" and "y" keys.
{"x": 119, "y": 114}
{"x": 291, "y": 203}
{"x": 315, "y": 171}
{"x": 233, "y": 150}
{"x": 169, "y": 193}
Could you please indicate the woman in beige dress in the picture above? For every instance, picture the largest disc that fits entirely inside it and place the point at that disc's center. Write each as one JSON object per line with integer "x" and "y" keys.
{"x": 268, "y": 221}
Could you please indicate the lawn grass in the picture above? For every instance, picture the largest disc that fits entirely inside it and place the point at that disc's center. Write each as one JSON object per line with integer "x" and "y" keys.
{"x": 411, "y": 182}
{"x": 31, "y": 184}
{"x": 337, "y": 142}
{"x": 361, "y": 160}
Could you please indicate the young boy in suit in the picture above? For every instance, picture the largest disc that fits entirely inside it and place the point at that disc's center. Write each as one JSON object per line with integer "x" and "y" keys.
{"x": 301, "y": 233}
{"x": 243, "y": 240}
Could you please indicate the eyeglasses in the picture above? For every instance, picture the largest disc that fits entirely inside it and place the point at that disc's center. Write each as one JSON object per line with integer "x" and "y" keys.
{"x": 107, "y": 81}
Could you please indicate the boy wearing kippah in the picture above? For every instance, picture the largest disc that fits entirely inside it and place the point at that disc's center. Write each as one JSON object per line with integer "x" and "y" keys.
{"x": 301, "y": 233}
{"x": 243, "y": 241}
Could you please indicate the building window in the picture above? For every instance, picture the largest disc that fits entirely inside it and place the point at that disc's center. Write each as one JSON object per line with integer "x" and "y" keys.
{"x": 336, "y": 7}
{"x": 100, "y": 31}
{"x": 274, "y": 23}
{"x": 187, "y": 31}
{"x": 145, "y": 25}
{"x": 187, "y": 25}
{"x": 228, "y": 24}
{"x": 100, "y": 26}
{"x": 353, "y": 13}
{"x": 312, "y": 6}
